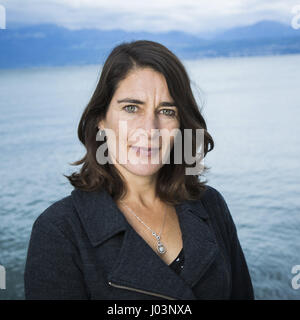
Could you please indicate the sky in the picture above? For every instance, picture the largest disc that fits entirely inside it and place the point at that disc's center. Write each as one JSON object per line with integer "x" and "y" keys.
{"x": 192, "y": 16}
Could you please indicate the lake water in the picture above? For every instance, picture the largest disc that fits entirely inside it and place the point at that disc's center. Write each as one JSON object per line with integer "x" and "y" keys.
{"x": 252, "y": 109}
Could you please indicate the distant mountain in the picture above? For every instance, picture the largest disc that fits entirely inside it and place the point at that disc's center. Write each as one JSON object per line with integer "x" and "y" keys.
{"x": 50, "y": 45}
{"x": 260, "y": 30}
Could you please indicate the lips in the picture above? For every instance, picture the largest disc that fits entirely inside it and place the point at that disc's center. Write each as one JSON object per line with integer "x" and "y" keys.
{"x": 145, "y": 151}
{"x": 144, "y": 148}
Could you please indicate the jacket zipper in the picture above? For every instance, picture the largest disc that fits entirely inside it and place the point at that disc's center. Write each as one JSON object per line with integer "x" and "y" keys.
{"x": 139, "y": 290}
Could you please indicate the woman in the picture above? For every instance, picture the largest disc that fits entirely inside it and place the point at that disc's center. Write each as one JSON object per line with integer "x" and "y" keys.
{"x": 138, "y": 229}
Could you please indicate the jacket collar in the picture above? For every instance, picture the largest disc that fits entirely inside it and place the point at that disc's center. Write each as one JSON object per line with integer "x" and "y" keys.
{"x": 99, "y": 214}
{"x": 102, "y": 219}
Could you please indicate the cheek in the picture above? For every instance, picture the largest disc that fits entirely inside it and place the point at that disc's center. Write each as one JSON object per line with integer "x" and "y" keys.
{"x": 114, "y": 123}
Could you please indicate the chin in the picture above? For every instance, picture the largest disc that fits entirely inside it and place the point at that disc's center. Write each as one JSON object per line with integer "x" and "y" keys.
{"x": 143, "y": 169}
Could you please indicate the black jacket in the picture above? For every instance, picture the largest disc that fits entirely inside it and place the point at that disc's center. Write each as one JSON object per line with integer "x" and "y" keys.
{"x": 82, "y": 247}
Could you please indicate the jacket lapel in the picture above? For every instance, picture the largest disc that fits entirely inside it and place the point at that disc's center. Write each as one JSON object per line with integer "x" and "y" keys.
{"x": 138, "y": 267}
{"x": 199, "y": 242}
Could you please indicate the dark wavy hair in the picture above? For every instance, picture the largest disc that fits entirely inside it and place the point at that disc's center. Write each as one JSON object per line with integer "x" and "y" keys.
{"x": 173, "y": 185}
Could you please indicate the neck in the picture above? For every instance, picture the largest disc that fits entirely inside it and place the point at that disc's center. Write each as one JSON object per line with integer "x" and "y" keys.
{"x": 141, "y": 190}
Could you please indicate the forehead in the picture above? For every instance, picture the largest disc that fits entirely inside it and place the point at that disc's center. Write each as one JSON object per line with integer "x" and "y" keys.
{"x": 141, "y": 82}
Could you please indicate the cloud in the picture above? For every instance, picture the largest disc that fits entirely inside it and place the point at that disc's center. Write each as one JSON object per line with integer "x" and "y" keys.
{"x": 155, "y": 16}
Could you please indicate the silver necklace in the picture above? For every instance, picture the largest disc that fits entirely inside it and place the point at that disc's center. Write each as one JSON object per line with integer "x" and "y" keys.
{"x": 160, "y": 247}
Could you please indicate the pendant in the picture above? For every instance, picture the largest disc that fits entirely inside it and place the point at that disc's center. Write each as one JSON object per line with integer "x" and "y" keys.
{"x": 161, "y": 248}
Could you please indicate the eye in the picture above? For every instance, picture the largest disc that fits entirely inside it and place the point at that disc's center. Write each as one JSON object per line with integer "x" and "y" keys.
{"x": 129, "y": 108}
{"x": 169, "y": 113}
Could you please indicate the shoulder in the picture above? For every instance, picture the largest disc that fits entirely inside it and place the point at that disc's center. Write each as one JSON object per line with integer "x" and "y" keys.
{"x": 59, "y": 216}
{"x": 213, "y": 197}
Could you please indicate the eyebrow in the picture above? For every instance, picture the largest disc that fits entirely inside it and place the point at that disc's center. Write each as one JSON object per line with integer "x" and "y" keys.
{"x": 162, "y": 104}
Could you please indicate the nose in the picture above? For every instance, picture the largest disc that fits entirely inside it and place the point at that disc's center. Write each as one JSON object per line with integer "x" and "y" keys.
{"x": 151, "y": 126}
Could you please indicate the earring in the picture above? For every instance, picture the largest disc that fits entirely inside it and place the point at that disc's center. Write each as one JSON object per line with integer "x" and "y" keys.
{"x": 102, "y": 132}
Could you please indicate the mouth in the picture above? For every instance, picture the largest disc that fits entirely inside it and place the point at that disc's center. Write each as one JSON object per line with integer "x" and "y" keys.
{"x": 145, "y": 151}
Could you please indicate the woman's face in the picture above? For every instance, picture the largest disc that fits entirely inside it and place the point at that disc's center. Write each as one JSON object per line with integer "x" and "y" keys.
{"x": 153, "y": 109}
